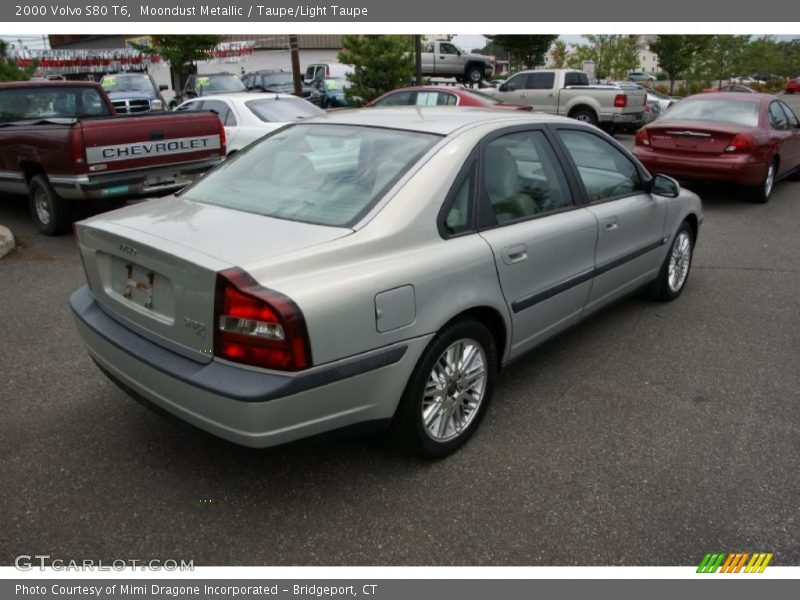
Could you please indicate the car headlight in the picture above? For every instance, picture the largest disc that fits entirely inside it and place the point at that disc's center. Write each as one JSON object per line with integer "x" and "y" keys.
{"x": 156, "y": 105}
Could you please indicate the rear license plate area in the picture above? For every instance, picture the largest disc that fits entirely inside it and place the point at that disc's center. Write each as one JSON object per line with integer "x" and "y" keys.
{"x": 140, "y": 288}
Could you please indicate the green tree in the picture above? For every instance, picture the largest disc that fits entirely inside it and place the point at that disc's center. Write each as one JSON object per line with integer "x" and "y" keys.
{"x": 614, "y": 55}
{"x": 677, "y": 53}
{"x": 380, "y": 63}
{"x": 558, "y": 54}
{"x": 182, "y": 51}
{"x": 9, "y": 70}
{"x": 527, "y": 50}
{"x": 724, "y": 56}
{"x": 581, "y": 53}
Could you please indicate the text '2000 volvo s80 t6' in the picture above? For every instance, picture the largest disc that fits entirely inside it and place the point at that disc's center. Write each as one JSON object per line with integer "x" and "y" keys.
{"x": 374, "y": 268}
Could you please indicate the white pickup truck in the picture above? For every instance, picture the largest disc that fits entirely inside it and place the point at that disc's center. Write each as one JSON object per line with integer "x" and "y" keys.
{"x": 445, "y": 59}
{"x": 568, "y": 92}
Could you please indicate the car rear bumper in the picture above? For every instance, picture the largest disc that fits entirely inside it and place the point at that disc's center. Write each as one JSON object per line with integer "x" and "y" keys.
{"x": 733, "y": 168}
{"x": 243, "y": 405}
{"x": 130, "y": 184}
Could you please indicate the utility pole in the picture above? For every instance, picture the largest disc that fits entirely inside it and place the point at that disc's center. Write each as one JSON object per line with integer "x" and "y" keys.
{"x": 418, "y": 58}
{"x": 294, "y": 47}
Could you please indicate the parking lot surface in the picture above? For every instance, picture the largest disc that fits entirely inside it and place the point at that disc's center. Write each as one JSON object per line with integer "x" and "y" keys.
{"x": 650, "y": 434}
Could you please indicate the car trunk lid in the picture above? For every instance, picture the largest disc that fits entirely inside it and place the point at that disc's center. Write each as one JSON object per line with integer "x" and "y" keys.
{"x": 690, "y": 137}
{"x": 154, "y": 266}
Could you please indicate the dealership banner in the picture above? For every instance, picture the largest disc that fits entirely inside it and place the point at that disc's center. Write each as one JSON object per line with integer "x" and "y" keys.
{"x": 392, "y": 589}
{"x": 272, "y": 11}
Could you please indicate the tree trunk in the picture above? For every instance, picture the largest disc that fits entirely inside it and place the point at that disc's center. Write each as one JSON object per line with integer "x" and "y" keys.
{"x": 296, "y": 74}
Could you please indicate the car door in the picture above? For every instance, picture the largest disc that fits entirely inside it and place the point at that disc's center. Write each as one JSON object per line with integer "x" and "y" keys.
{"x": 793, "y": 160}
{"x": 449, "y": 59}
{"x": 784, "y": 136}
{"x": 543, "y": 242}
{"x": 630, "y": 221}
{"x": 542, "y": 92}
{"x": 514, "y": 90}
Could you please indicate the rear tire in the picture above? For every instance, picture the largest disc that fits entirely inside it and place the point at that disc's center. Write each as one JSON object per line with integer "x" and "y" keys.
{"x": 674, "y": 271}
{"x": 585, "y": 115}
{"x": 761, "y": 193}
{"x": 448, "y": 392}
{"x": 50, "y": 212}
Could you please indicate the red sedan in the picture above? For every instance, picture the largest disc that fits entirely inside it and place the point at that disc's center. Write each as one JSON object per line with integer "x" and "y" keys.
{"x": 793, "y": 85}
{"x": 430, "y": 95}
{"x": 748, "y": 139}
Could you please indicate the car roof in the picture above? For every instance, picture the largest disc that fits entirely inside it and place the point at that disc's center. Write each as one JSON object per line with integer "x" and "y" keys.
{"x": 441, "y": 120}
{"x": 49, "y": 83}
{"x": 244, "y": 96}
{"x": 738, "y": 96}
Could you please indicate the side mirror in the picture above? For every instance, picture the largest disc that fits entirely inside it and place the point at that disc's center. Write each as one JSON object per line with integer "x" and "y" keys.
{"x": 661, "y": 185}
{"x": 504, "y": 87}
{"x": 163, "y": 88}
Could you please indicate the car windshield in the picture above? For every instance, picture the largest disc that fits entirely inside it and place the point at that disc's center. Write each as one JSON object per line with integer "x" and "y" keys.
{"x": 277, "y": 79}
{"x": 726, "y": 111}
{"x": 314, "y": 173}
{"x": 336, "y": 83}
{"x": 282, "y": 108}
{"x": 126, "y": 83}
{"x": 225, "y": 83}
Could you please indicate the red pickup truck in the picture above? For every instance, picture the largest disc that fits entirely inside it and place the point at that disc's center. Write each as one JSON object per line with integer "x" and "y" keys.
{"x": 61, "y": 141}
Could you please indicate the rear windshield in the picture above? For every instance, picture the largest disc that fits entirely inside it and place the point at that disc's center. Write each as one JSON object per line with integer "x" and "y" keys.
{"x": 277, "y": 79}
{"x": 314, "y": 173}
{"x": 126, "y": 83}
{"x": 281, "y": 109}
{"x": 17, "y": 104}
{"x": 725, "y": 111}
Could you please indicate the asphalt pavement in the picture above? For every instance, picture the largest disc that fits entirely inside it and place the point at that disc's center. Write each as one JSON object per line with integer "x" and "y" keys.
{"x": 648, "y": 435}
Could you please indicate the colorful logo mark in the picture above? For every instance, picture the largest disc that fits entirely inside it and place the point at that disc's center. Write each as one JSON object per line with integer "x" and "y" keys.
{"x": 735, "y": 562}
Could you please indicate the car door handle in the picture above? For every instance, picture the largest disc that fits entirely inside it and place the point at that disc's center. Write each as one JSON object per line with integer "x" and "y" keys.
{"x": 514, "y": 254}
{"x": 610, "y": 224}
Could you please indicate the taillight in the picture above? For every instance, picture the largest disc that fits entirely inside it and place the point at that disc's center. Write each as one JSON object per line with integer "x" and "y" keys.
{"x": 742, "y": 142}
{"x": 222, "y": 141}
{"x": 76, "y": 148}
{"x": 620, "y": 101}
{"x": 257, "y": 326}
{"x": 642, "y": 137}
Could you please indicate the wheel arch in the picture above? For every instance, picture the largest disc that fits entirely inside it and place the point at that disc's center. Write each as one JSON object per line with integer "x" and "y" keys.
{"x": 31, "y": 169}
{"x": 493, "y": 320}
{"x": 582, "y": 106}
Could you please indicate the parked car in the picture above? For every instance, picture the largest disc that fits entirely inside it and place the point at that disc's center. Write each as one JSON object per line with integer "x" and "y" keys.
{"x": 443, "y": 96}
{"x": 330, "y": 92}
{"x": 208, "y": 84}
{"x": 749, "y": 139}
{"x": 441, "y": 58}
{"x": 742, "y": 89}
{"x": 247, "y": 117}
{"x": 792, "y": 86}
{"x": 652, "y": 111}
{"x": 274, "y": 80}
{"x": 373, "y": 268}
{"x": 746, "y": 80}
{"x": 567, "y": 92}
{"x": 664, "y": 101}
{"x": 133, "y": 92}
{"x": 61, "y": 141}
{"x": 317, "y": 71}
{"x": 638, "y": 76}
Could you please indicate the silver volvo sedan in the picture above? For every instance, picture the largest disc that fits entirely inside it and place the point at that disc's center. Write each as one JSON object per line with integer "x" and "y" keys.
{"x": 373, "y": 268}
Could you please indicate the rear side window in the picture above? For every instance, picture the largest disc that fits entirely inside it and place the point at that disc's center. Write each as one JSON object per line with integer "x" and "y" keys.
{"x": 397, "y": 99}
{"x": 522, "y": 177}
{"x": 790, "y": 116}
{"x": 777, "y": 118}
{"x": 541, "y": 81}
{"x": 605, "y": 171}
{"x": 18, "y": 104}
{"x": 223, "y": 111}
{"x": 575, "y": 78}
{"x": 435, "y": 99}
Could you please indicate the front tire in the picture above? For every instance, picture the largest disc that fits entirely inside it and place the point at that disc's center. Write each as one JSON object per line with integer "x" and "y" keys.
{"x": 474, "y": 74}
{"x": 762, "y": 193}
{"x": 675, "y": 271}
{"x": 50, "y": 212}
{"x": 449, "y": 390}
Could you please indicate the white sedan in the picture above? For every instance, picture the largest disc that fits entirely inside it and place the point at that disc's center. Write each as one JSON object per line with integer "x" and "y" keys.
{"x": 249, "y": 116}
